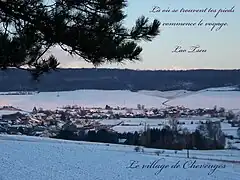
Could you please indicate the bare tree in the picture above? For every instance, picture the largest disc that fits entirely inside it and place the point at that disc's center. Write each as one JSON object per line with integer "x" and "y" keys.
{"x": 173, "y": 123}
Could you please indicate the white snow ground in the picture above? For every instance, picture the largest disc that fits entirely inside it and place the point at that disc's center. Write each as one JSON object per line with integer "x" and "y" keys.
{"x": 221, "y": 97}
{"x": 28, "y": 158}
{"x": 208, "y": 99}
{"x": 87, "y": 98}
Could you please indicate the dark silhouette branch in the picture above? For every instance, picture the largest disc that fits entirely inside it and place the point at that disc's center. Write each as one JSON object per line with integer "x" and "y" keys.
{"x": 90, "y": 29}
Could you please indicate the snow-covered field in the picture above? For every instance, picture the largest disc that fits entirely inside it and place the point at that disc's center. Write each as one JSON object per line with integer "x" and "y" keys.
{"x": 27, "y": 158}
{"x": 208, "y": 99}
{"x": 221, "y": 97}
{"x": 87, "y": 98}
{"x": 225, "y": 97}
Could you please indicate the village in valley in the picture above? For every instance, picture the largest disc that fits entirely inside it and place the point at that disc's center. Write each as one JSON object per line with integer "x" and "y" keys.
{"x": 48, "y": 123}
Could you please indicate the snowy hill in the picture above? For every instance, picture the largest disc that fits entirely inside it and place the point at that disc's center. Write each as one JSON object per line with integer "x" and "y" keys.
{"x": 222, "y": 97}
{"x": 87, "y": 98}
{"x": 208, "y": 99}
{"x": 227, "y": 97}
{"x": 28, "y": 158}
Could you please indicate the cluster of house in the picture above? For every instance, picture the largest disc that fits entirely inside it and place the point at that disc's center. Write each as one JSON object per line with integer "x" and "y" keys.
{"x": 152, "y": 113}
{"x": 48, "y": 123}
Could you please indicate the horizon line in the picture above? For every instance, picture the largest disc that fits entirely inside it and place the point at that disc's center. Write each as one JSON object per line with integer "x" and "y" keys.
{"x": 106, "y": 68}
{"x": 192, "y": 69}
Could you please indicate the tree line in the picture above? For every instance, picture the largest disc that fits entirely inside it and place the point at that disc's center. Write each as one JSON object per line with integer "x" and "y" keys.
{"x": 205, "y": 137}
{"x": 118, "y": 79}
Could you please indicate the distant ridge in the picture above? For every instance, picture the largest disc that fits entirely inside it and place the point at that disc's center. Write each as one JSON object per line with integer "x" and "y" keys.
{"x": 119, "y": 79}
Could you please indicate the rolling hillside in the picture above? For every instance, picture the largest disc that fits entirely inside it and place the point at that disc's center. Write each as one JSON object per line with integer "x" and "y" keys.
{"x": 27, "y": 158}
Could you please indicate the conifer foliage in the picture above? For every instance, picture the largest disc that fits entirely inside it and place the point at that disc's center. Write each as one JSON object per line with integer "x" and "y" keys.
{"x": 93, "y": 30}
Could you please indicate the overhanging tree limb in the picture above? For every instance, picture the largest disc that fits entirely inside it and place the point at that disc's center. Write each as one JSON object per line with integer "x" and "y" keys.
{"x": 91, "y": 29}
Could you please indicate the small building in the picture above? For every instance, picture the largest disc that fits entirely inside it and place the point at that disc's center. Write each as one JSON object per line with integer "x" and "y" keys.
{"x": 12, "y": 117}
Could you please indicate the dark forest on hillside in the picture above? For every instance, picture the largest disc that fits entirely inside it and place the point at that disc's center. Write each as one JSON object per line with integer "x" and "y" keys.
{"x": 117, "y": 79}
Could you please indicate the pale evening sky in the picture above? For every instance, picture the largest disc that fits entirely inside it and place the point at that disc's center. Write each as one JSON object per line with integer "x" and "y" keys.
{"x": 223, "y": 46}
